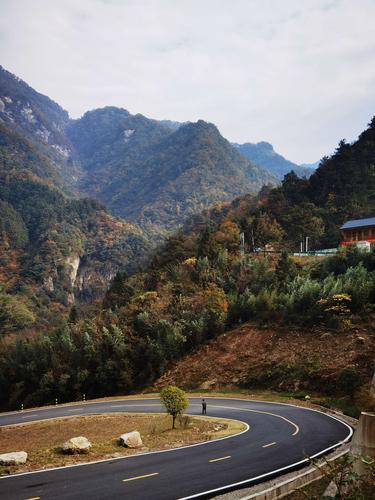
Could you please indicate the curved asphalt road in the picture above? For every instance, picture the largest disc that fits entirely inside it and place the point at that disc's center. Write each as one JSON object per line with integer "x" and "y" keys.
{"x": 278, "y": 439}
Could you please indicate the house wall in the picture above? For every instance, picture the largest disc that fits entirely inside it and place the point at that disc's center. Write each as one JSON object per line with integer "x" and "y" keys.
{"x": 351, "y": 236}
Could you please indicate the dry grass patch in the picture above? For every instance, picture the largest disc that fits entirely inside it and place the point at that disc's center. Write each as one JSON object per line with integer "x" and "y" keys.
{"x": 43, "y": 440}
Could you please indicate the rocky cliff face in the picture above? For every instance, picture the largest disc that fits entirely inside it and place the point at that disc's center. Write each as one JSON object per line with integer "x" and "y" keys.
{"x": 33, "y": 113}
{"x": 93, "y": 281}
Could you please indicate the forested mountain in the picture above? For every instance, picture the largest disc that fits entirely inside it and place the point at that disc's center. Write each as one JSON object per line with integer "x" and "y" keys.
{"x": 156, "y": 177}
{"x": 56, "y": 248}
{"x": 53, "y": 248}
{"x": 341, "y": 188}
{"x": 156, "y": 173}
{"x": 153, "y": 175}
{"x": 30, "y": 117}
{"x": 35, "y": 114}
{"x": 265, "y": 156}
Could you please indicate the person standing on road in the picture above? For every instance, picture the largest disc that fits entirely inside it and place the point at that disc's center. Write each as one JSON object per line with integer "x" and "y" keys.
{"x": 204, "y": 407}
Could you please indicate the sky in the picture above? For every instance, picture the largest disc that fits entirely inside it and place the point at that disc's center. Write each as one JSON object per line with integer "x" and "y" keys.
{"x": 297, "y": 73}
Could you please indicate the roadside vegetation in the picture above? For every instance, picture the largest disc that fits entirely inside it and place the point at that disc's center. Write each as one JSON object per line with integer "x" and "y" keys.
{"x": 343, "y": 481}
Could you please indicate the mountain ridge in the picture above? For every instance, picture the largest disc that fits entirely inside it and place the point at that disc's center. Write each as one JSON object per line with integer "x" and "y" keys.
{"x": 263, "y": 154}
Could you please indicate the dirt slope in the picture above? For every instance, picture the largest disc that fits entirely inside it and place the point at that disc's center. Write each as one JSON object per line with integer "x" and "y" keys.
{"x": 281, "y": 359}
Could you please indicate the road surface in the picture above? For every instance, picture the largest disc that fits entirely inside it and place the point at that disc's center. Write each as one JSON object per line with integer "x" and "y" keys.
{"x": 278, "y": 438}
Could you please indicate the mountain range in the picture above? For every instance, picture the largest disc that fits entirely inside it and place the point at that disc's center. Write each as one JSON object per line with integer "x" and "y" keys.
{"x": 156, "y": 177}
{"x": 154, "y": 173}
{"x": 81, "y": 199}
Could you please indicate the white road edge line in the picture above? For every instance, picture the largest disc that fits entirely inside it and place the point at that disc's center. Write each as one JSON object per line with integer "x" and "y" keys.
{"x": 228, "y": 486}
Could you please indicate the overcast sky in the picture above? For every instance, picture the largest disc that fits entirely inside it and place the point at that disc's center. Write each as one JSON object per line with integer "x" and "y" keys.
{"x": 297, "y": 73}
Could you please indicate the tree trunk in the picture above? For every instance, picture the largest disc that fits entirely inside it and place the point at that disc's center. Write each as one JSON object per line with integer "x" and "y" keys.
{"x": 174, "y": 419}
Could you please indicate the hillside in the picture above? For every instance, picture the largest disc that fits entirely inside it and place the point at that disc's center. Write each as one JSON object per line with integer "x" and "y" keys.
{"x": 109, "y": 144}
{"x": 188, "y": 171}
{"x": 342, "y": 188}
{"x": 265, "y": 156}
{"x": 286, "y": 359}
{"x": 31, "y": 117}
{"x": 54, "y": 249}
{"x": 156, "y": 176}
{"x": 21, "y": 106}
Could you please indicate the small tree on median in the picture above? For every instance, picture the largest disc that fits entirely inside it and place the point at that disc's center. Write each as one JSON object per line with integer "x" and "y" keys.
{"x": 175, "y": 401}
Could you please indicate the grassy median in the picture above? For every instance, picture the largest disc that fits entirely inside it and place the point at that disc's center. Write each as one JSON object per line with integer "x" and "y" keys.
{"x": 43, "y": 440}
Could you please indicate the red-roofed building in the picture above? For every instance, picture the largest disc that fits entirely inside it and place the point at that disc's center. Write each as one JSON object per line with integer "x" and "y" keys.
{"x": 359, "y": 232}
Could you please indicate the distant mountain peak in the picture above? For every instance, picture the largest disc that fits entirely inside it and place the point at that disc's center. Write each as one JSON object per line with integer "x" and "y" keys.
{"x": 199, "y": 127}
{"x": 265, "y": 145}
{"x": 264, "y": 155}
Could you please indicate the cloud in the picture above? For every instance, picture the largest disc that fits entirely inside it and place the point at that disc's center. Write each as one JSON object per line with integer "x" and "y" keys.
{"x": 298, "y": 74}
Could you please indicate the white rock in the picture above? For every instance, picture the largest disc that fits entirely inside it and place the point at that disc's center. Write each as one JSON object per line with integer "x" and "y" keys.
{"x": 127, "y": 134}
{"x": 330, "y": 491}
{"x": 131, "y": 439}
{"x": 77, "y": 445}
{"x": 28, "y": 114}
{"x": 71, "y": 268}
{"x": 14, "y": 458}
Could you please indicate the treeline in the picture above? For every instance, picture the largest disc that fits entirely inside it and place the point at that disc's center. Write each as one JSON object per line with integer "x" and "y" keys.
{"x": 151, "y": 319}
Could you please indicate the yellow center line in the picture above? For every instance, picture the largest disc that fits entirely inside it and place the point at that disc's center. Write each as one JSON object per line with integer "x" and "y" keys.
{"x": 218, "y": 459}
{"x": 269, "y": 444}
{"x": 140, "y": 477}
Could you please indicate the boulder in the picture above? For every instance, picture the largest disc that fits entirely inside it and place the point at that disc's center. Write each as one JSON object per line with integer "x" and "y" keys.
{"x": 131, "y": 439}
{"x": 76, "y": 445}
{"x": 330, "y": 491}
{"x": 14, "y": 458}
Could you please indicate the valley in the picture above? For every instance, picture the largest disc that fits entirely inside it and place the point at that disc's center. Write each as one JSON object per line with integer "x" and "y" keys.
{"x": 187, "y": 250}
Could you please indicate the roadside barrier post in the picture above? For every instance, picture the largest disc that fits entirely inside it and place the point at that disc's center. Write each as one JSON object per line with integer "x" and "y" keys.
{"x": 84, "y": 397}
{"x": 372, "y": 386}
{"x": 363, "y": 443}
{"x": 56, "y": 402}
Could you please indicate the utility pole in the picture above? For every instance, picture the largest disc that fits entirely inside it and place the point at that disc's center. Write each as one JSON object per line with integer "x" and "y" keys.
{"x": 307, "y": 244}
{"x": 242, "y": 244}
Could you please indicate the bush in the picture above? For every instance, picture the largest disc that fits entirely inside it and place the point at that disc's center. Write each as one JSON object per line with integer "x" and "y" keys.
{"x": 349, "y": 380}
